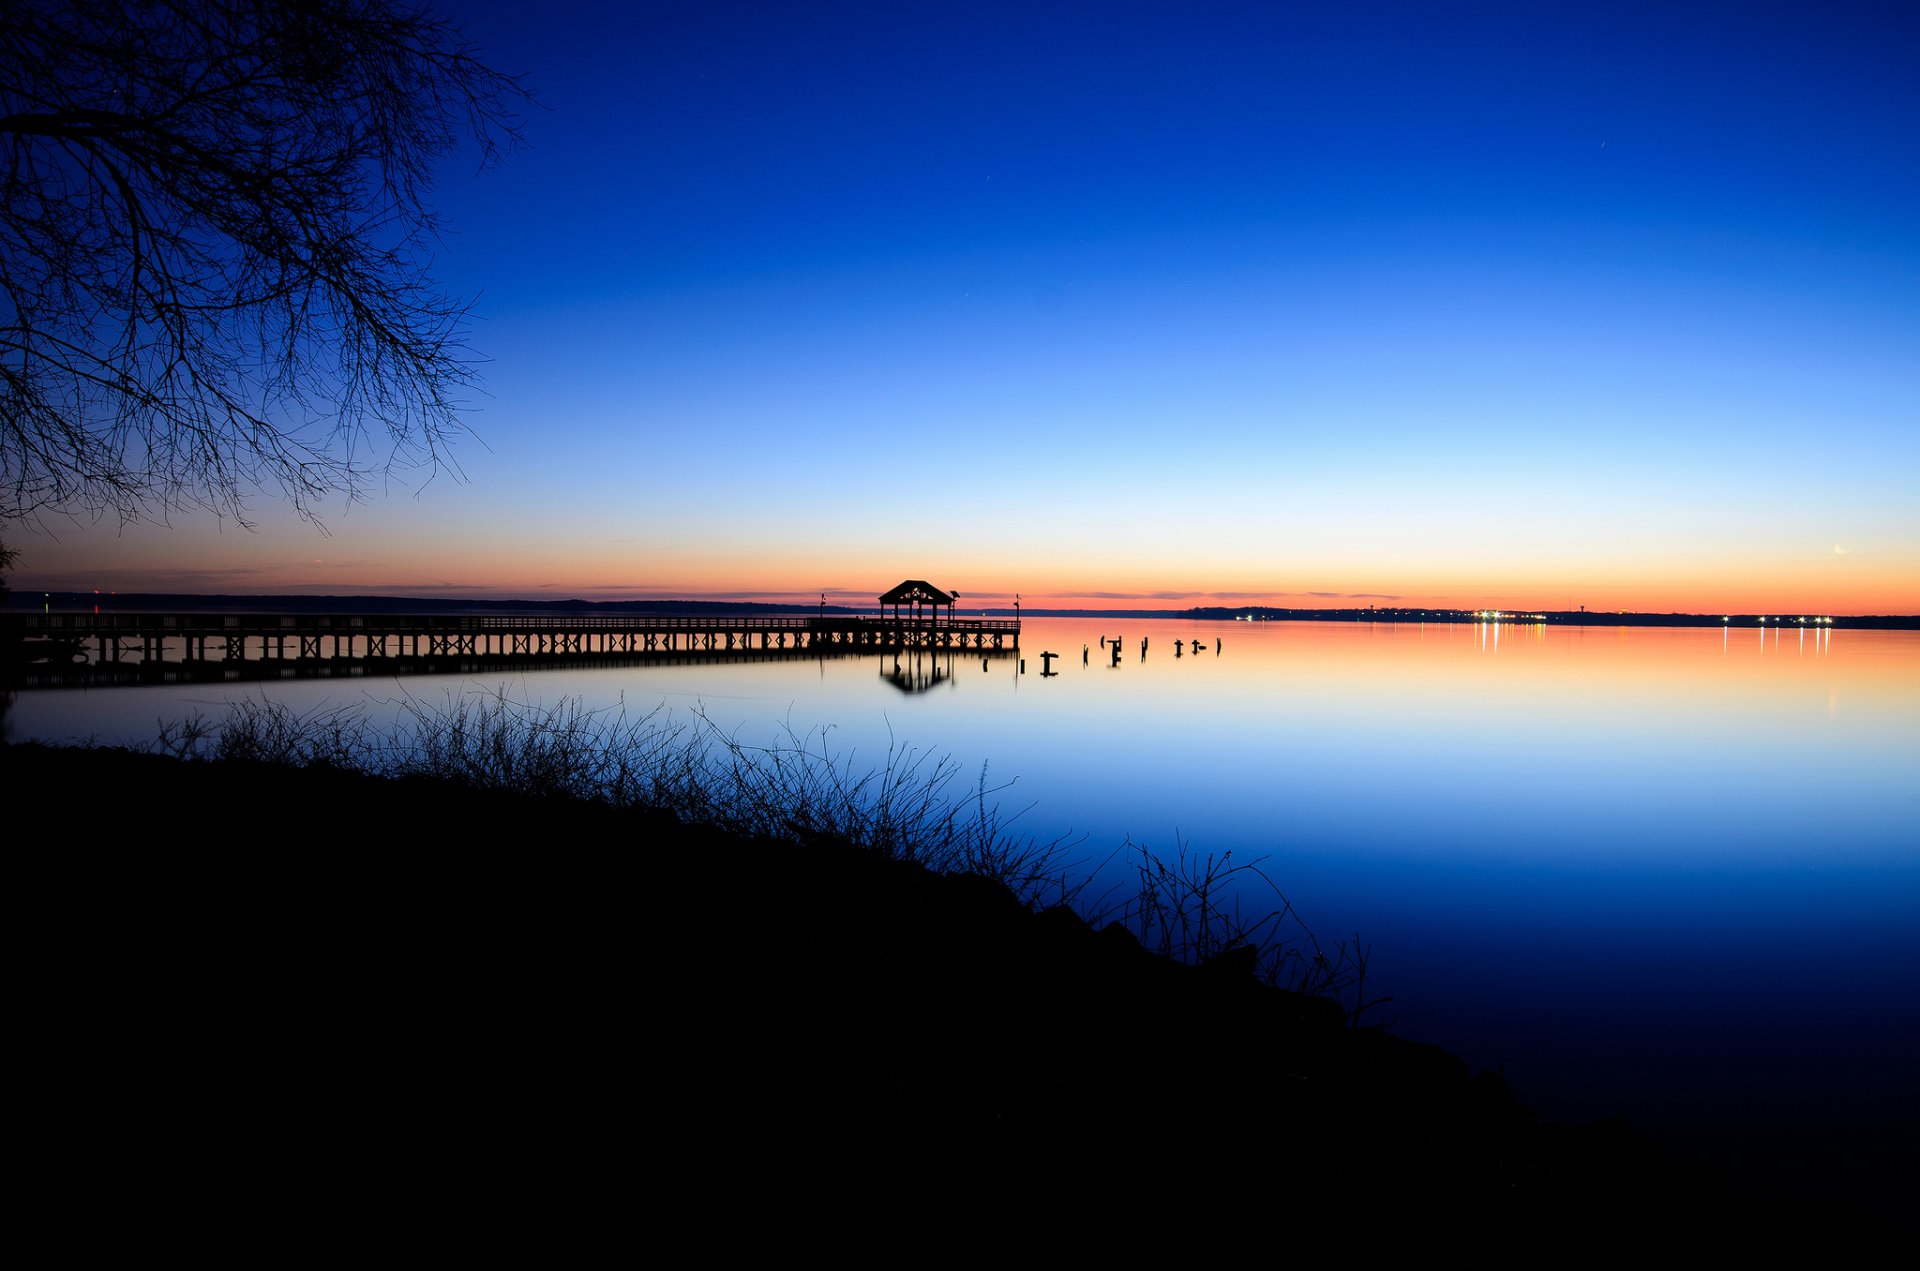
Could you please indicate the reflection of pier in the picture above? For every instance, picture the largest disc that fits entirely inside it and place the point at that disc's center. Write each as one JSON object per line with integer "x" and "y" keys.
{"x": 217, "y": 670}
{"x": 186, "y": 641}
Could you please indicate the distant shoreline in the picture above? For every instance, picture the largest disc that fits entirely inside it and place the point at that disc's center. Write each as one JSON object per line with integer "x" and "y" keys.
{"x": 72, "y": 601}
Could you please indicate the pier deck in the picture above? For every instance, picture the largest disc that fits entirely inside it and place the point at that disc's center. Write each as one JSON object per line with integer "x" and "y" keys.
{"x": 310, "y": 637}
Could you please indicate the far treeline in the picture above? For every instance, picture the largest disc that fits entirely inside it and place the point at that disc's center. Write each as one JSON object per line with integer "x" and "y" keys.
{"x": 1556, "y": 617}
{"x": 157, "y": 602}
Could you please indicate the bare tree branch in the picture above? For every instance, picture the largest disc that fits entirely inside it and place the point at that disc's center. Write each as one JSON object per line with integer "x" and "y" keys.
{"x": 215, "y": 250}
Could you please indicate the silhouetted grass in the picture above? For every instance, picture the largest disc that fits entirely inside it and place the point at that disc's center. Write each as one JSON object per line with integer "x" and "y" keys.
{"x": 911, "y": 806}
{"x": 1209, "y": 909}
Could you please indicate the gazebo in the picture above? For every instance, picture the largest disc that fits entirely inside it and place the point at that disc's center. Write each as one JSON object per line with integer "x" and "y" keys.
{"x": 916, "y": 592}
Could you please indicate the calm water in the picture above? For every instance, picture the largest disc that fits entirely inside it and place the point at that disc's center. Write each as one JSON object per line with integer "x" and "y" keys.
{"x": 1671, "y": 874}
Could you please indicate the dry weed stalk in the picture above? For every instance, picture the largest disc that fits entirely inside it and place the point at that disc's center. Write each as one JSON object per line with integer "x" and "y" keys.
{"x": 1189, "y": 907}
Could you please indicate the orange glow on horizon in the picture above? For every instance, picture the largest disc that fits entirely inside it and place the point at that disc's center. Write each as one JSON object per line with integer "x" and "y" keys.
{"x": 1864, "y": 596}
{"x": 363, "y": 559}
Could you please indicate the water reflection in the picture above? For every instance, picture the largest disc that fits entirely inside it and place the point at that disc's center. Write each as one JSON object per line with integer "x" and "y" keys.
{"x": 918, "y": 670}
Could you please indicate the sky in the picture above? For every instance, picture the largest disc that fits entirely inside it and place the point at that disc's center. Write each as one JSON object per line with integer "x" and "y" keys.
{"x": 1526, "y": 306}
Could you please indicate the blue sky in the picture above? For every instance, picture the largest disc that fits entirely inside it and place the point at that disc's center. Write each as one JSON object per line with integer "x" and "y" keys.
{"x": 1523, "y": 305}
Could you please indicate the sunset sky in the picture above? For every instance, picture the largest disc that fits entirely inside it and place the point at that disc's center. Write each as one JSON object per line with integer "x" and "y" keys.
{"x": 1527, "y": 306}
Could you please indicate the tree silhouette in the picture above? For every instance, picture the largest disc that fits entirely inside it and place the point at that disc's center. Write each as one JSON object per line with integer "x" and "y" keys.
{"x": 214, "y": 249}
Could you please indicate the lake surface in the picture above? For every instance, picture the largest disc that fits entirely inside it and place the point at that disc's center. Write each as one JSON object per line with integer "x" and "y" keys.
{"x": 1666, "y": 873}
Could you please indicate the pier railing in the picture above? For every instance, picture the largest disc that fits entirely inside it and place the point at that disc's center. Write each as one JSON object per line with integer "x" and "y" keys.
{"x": 91, "y": 623}
{"x": 158, "y": 637}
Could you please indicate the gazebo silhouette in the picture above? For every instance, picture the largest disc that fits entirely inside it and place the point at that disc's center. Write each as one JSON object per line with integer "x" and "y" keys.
{"x": 916, "y": 592}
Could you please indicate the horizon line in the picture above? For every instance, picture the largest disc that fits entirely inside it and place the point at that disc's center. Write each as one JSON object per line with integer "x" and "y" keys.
{"x": 769, "y": 599}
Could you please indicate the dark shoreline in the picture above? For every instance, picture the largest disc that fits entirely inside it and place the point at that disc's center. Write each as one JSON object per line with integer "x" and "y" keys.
{"x": 433, "y": 976}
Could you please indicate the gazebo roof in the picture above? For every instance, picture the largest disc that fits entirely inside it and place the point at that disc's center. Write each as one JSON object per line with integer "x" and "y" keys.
{"x": 917, "y": 589}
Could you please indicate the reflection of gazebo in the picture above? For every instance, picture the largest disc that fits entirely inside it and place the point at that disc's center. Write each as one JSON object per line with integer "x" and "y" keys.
{"x": 921, "y": 672}
{"x": 915, "y": 593}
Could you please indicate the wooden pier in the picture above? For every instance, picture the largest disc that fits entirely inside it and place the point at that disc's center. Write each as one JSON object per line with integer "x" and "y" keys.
{"x": 181, "y": 638}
